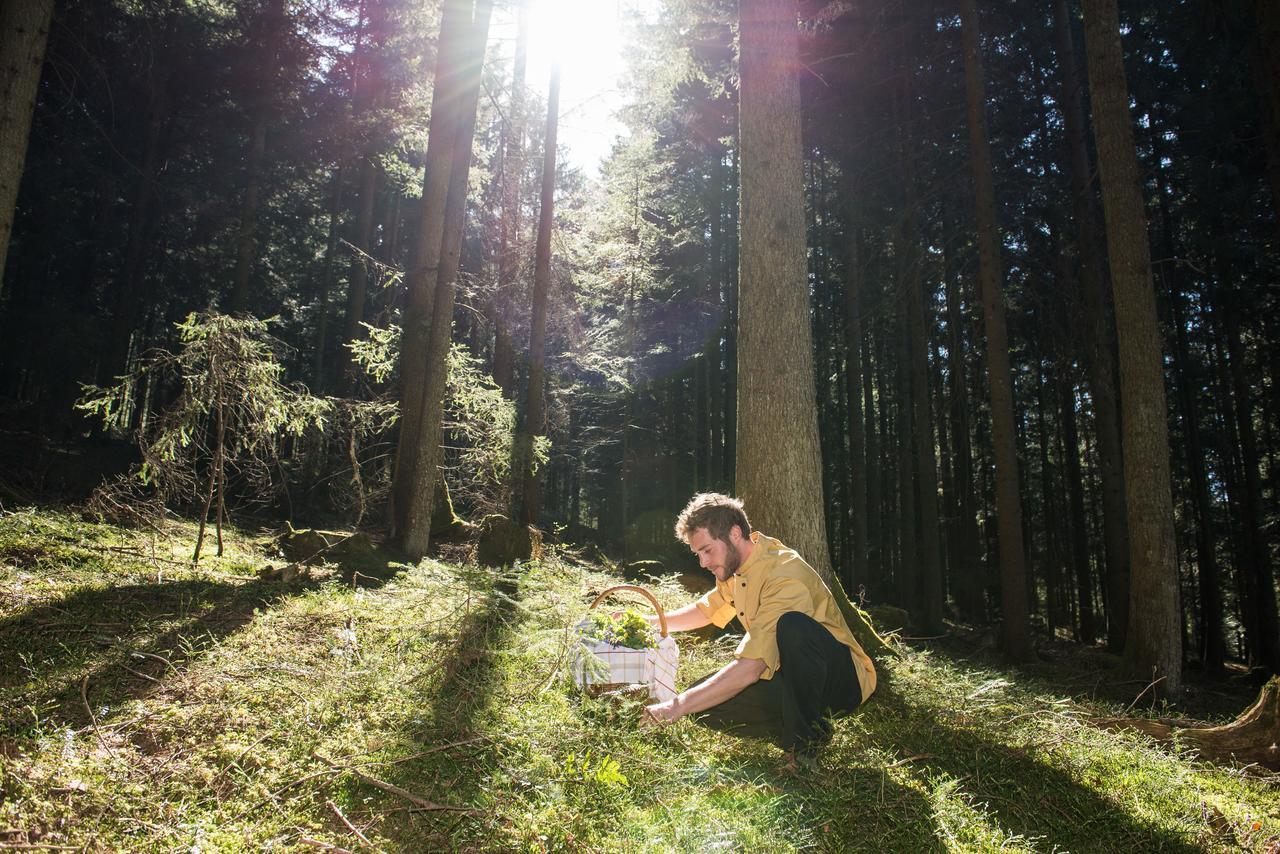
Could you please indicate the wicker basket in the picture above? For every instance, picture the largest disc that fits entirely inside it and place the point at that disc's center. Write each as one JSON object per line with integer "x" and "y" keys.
{"x": 622, "y": 669}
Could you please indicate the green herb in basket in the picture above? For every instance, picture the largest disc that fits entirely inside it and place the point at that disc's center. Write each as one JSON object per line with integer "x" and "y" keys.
{"x": 628, "y": 629}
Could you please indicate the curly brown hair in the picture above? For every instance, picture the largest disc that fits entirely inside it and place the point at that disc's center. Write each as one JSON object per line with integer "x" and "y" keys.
{"x": 715, "y": 512}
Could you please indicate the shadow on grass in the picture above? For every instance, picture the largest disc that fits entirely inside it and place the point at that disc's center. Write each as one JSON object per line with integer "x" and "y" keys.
{"x": 455, "y": 700}
{"x": 128, "y": 638}
{"x": 1022, "y": 794}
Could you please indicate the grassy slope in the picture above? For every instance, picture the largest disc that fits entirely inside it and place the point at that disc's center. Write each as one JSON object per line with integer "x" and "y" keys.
{"x": 214, "y": 696}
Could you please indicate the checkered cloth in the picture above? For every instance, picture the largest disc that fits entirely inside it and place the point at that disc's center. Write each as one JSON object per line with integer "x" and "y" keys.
{"x": 598, "y": 663}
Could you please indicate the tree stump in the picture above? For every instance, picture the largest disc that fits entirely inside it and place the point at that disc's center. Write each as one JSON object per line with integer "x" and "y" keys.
{"x": 1252, "y": 738}
{"x": 503, "y": 541}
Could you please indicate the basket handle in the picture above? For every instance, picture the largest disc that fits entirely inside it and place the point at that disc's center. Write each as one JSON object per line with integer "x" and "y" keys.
{"x": 662, "y": 615}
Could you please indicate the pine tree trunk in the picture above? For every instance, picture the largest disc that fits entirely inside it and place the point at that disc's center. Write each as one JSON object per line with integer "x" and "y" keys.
{"x": 1154, "y": 638}
{"x": 853, "y": 380}
{"x": 1087, "y": 630}
{"x": 420, "y": 277}
{"x": 1013, "y": 575}
{"x": 24, "y": 33}
{"x": 1099, "y": 337}
{"x": 1258, "y": 580}
{"x": 966, "y": 573}
{"x": 430, "y": 422}
{"x": 535, "y": 413}
{"x": 778, "y": 463}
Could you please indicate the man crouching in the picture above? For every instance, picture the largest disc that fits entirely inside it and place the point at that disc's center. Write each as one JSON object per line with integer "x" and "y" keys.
{"x": 798, "y": 664}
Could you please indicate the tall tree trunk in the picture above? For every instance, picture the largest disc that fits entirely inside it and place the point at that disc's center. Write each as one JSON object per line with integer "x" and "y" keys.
{"x": 924, "y": 463}
{"x": 1212, "y": 641}
{"x": 509, "y": 248}
{"x": 853, "y": 379}
{"x": 1087, "y": 631}
{"x": 24, "y": 32}
{"x": 535, "y": 411}
{"x": 420, "y": 278}
{"x": 778, "y": 462}
{"x": 1099, "y": 335}
{"x": 1154, "y": 642}
{"x": 966, "y": 572}
{"x": 1258, "y": 580}
{"x": 430, "y": 421}
{"x": 1016, "y": 633}
{"x": 778, "y": 456}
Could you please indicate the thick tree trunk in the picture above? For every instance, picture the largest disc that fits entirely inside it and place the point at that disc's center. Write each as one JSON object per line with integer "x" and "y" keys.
{"x": 24, "y": 32}
{"x": 778, "y": 453}
{"x": 1013, "y": 575}
{"x": 1154, "y": 642}
{"x": 430, "y": 421}
{"x": 420, "y": 277}
{"x": 535, "y": 409}
{"x": 1099, "y": 336}
{"x": 778, "y": 462}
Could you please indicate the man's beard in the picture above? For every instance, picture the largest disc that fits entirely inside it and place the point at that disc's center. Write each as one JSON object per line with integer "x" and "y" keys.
{"x": 732, "y": 560}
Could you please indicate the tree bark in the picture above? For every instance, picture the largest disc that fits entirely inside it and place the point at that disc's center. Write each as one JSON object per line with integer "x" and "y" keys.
{"x": 423, "y": 489}
{"x": 24, "y": 33}
{"x": 853, "y": 379}
{"x": 1099, "y": 347}
{"x": 1016, "y": 629}
{"x": 420, "y": 277}
{"x": 777, "y": 449}
{"x": 1154, "y": 643}
{"x": 535, "y": 410}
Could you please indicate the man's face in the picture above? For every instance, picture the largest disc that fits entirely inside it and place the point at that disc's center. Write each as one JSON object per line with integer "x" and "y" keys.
{"x": 720, "y": 558}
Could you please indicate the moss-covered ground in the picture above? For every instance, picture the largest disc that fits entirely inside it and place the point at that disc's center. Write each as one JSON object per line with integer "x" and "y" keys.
{"x": 148, "y": 705}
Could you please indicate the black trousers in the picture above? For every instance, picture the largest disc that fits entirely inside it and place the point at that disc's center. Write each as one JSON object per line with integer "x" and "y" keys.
{"x": 815, "y": 682}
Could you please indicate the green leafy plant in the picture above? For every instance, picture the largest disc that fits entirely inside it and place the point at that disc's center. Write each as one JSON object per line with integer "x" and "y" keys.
{"x": 629, "y": 629}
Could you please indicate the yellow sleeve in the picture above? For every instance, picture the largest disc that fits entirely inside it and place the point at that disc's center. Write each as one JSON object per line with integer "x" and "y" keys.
{"x": 716, "y": 607}
{"x": 779, "y": 596}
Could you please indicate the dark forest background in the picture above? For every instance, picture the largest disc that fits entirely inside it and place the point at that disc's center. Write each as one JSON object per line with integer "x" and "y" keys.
{"x": 266, "y": 158}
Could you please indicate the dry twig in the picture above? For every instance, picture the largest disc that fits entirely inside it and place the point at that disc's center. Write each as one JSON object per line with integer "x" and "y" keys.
{"x": 416, "y": 800}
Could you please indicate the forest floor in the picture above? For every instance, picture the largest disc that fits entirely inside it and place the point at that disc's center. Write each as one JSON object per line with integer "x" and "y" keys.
{"x": 149, "y": 705}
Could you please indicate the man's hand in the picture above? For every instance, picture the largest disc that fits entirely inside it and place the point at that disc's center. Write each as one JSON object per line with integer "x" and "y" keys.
{"x": 662, "y": 713}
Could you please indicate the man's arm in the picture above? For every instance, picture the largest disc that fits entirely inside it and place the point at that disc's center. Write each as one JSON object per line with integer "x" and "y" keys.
{"x": 685, "y": 619}
{"x": 729, "y": 682}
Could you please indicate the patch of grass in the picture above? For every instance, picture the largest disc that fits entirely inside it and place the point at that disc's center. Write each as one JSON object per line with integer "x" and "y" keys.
{"x": 276, "y": 706}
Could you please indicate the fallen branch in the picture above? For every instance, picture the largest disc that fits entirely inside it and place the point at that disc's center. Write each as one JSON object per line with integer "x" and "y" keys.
{"x": 351, "y": 827}
{"x": 420, "y": 802}
{"x": 323, "y": 846}
{"x": 84, "y": 698}
{"x": 904, "y": 760}
{"x": 1252, "y": 738}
